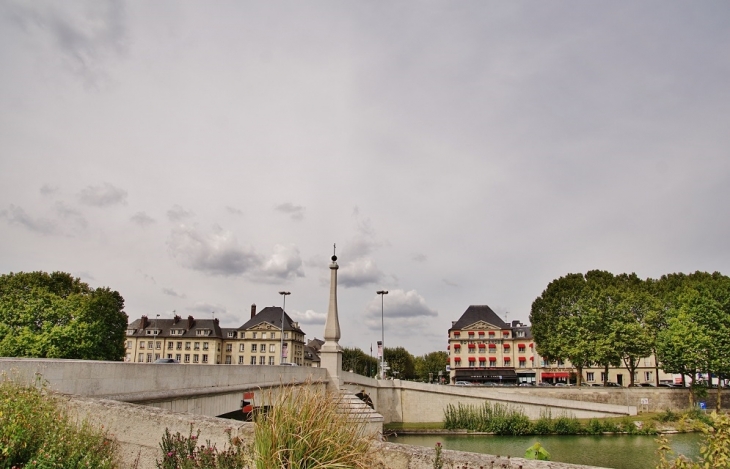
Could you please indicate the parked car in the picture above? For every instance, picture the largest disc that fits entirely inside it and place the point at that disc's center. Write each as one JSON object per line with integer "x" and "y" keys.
{"x": 544, "y": 383}
{"x": 165, "y": 360}
{"x": 462, "y": 383}
{"x": 489, "y": 383}
{"x": 288, "y": 364}
{"x": 611, "y": 384}
{"x": 560, "y": 385}
{"x": 647, "y": 385}
{"x": 526, "y": 384}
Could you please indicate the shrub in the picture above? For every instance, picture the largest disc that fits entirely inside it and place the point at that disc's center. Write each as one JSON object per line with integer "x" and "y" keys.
{"x": 182, "y": 452}
{"x": 715, "y": 450}
{"x": 564, "y": 425}
{"x": 36, "y": 433}
{"x": 544, "y": 424}
{"x": 498, "y": 418}
{"x": 667, "y": 416}
{"x": 594, "y": 427}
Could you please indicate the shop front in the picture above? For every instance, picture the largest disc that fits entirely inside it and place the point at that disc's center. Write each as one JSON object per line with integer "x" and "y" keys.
{"x": 498, "y": 376}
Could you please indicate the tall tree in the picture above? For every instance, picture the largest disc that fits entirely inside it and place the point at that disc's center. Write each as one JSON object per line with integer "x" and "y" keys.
{"x": 357, "y": 361}
{"x": 431, "y": 363}
{"x": 401, "y": 362}
{"x": 58, "y": 316}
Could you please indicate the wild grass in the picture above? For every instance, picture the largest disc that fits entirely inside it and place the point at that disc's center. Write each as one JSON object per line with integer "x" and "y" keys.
{"x": 306, "y": 429}
{"x": 36, "y": 433}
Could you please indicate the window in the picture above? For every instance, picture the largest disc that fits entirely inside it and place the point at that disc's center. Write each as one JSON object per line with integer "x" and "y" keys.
{"x": 286, "y": 335}
{"x": 195, "y": 358}
{"x": 205, "y": 358}
{"x": 241, "y": 347}
{"x": 128, "y": 357}
{"x": 197, "y": 346}
{"x": 141, "y": 345}
{"x": 169, "y": 355}
{"x": 520, "y": 333}
{"x": 158, "y": 345}
{"x": 203, "y": 332}
{"x": 228, "y": 359}
{"x": 231, "y": 334}
{"x": 157, "y": 356}
{"x": 273, "y": 335}
{"x": 140, "y": 359}
{"x": 647, "y": 361}
{"x": 178, "y": 357}
{"x": 240, "y": 360}
{"x": 253, "y": 360}
{"x": 129, "y": 344}
{"x": 254, "y": 347}
{"x": 603, "y": 376}
{"x": 205, "y": 345}
{"x": 263, "y": 335}
{"x": 149, "y": 345}
{"x": 263, "y": 348}
{"x": 187, "y": 358}
{"x": 149, "y": 358}
{"x": 590, "y": 376}
{"x": 647, "y": 375}
{"x": 187, "y": 345}
{"x": 170, "y": 345}
{"x": 262, "y": 360}
{"x": 521, "y": 348}
{"x": 254, "y": 335}
{"x": 130, "y": 331}
{"x": 271, "y": 361}
{"x": 560, "y": 363}
{"x": 272, "y": 348}
{"x": 229, "y": 347}
{"x": 242, "y": 335}
{"x": 178, "y": 346}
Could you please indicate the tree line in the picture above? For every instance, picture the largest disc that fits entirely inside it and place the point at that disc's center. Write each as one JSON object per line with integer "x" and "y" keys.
{"x": 611, "y": 320}
{"x": 402, "y": 364}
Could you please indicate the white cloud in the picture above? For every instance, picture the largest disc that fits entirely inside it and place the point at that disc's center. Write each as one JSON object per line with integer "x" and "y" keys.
{"x": 358, "y": 273}
{"x": 216, "y": 253}
{"x": 103, "y": 195}
{"x": 309, "y": 317}
{"x": 400, "y": 309}
{"x": 285, "y": 263}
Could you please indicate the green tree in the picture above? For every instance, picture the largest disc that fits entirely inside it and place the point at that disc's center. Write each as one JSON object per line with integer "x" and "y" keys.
{"x": 431, "y": 363}
{"x": 357, "y": 361}
{"x": 401, "y": 362}
{"x": 58, "y": 316}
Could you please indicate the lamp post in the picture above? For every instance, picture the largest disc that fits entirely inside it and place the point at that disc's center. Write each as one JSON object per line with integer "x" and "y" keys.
{"x": 382, "y": 293}
{"x": 281, "y": 357}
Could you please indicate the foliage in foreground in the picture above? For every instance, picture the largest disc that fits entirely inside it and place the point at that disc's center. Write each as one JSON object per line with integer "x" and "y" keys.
{"x": 537, "y": 451}
{"x": 303, "y": 429}
{"x": 35, "y": 433}
{"x": 506, "y": 420}
{"x": 715, "y": 450}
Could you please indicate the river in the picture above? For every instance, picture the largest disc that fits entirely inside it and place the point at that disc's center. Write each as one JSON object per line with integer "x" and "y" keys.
{"x": 613, "y": 451}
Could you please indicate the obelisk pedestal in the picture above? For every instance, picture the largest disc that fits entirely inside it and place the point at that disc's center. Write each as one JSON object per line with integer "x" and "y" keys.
{"x": 330, "y": 354}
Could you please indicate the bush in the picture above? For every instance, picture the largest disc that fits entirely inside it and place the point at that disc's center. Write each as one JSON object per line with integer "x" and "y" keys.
{"x": 181, "y": 452}
{"x": 715, "y": 450}
{"x": 594, "y": 427}
{"x": 667, "y": 416}
{"x": 498, "y": 418}
{"x": 564, "y": 425}
{"x": 36, "y": 433}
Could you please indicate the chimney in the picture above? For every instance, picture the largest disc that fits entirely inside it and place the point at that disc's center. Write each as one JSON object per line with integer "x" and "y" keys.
{"x": 253, "y": 310}
{"x": 215, "y": 320}
{"x": 144, "y": 322}
{"x": 176, "y": 319}
{"x": 516, "y": 323}
{"x": 191, "y": 322}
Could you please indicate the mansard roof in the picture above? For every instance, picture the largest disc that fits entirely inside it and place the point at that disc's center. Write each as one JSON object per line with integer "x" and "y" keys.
{"x": 272, "y": 315}
{"x": 477, "y": 313}
{"x": 190, "y": 326}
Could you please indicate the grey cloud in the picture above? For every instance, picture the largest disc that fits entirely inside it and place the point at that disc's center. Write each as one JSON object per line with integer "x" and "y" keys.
{"x": 174, "y": 293}
{"x": 296, "y": 212}
{"x": 71, "y": 214}
{"x": 47, "y": 189}
{"x": 177, "y": 213}
{"x": 450, "y": 283}
{"x": 17, "y": 216}
{"x": 142, "y": 219}
{"x": 217, "y": 253}
{"x": 103, "y": 195}
{"x": 400, "y": 308}
{"x": 358, "y": 273}
{"x": 233, "y": 210}
{"x": 87, "y": 34}
{"x": 419, "y": 257}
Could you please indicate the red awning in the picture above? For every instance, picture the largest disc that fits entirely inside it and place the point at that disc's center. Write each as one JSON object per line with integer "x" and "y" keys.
{"x": 492, "y": 359}
{"x": 472, "y": 345}
{"x": 448, "y": 347}
{"x": 457, "y": 359}
{"x": 492, "y": 346}
{"x": 481, "y": 332}
{"x": 530, "y": 345}
{"x": 472, "y": 359}
{"x": 522, "y": 359}
{"x": 506, "y": 359}
{"x": 556, "y": 375}
{"x": 532, "y": 359}
{"x": 482, "y": 346}
{"x": 457, "y": 345}
{"x": 506, "y": 345}
{"x": 491, "y": 333}
{"x": 457, "y": 333}
{"x": 482, "y": 359}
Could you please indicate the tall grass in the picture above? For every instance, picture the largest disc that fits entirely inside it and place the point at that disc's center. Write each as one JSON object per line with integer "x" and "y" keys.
{"x": 498, "y": 418}
{"x": 307, "y": 429}
{"x": 36, "y": 433}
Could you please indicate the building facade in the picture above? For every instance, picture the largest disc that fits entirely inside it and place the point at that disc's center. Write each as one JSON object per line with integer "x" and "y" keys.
{"x": 485, "y": 349}
{"x": 202, "y": 341}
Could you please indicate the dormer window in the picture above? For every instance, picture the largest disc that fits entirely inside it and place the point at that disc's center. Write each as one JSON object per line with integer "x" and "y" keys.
{"x": 130, "y": 331}
{"x": 203, "y": 332}
{"x": 232, "y": 334}
{"x": 520, "y": 333}
{"x": 152, "y": 331}
{"x": 177, "y": 331}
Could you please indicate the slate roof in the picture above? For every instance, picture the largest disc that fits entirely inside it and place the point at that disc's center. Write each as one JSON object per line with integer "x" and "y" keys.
{"x": 476, "y": 313}
{"x": 190, "y": 326}
{"x": 272, "y": 315}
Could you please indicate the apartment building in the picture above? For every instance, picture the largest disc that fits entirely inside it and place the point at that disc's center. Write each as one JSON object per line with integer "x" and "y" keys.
{"x": 485, "y": 349}
{"x": 202, "y": 341}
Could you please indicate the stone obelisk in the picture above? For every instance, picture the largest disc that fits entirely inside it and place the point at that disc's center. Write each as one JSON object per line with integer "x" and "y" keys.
{"x": 331, "y": 353}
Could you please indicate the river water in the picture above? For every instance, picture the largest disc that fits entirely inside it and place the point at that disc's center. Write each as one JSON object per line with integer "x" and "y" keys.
{"x": 613, "y": 451}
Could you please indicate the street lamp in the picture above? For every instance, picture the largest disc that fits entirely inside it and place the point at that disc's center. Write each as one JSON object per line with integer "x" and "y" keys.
{"x": 382, "y": 332}
{"x": 284, "y": 294}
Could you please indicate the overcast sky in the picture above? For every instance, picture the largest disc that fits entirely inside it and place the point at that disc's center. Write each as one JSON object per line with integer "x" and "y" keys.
{"x": 203, "y": 156}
